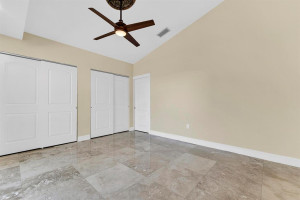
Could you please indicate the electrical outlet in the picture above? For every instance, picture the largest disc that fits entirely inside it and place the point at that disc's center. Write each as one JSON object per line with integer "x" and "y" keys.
{"x": 187, "y": 126}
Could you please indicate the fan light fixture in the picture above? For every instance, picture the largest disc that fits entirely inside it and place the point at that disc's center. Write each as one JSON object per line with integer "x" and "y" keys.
{"x": 120, "y": 32}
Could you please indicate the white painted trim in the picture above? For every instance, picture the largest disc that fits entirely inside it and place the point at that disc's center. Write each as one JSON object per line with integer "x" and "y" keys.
{"x": 141, "y": 76}
{"x": 83, "y": 138}
{"x": 131, "y": 128}
{"x": 133, "y": 93}
{"x": 243, "y": 151}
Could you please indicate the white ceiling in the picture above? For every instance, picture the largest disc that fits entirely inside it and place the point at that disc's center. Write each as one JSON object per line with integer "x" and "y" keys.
{"x": 13, "y": 17}
{"x": 70, "y": 22}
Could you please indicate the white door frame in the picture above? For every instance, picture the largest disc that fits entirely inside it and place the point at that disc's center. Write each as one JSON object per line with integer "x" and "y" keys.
{"x": 138, "y": 77}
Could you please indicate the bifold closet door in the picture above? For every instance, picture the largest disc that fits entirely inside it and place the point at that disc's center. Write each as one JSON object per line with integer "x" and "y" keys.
{"x": 102, "y": 104}
{"x": 38, "y": 103}
{"x": 20, "y": 121}
{"x": 121, "y": 104}
{"x": 58, "y": 103}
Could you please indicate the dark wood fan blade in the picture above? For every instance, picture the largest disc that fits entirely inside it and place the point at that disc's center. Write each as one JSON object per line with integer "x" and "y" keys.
{"x": 105, "y": 35}
{"x": 131, "y": 39}
{"x": 140, "y": 25}
{"x": 103, "y": 17}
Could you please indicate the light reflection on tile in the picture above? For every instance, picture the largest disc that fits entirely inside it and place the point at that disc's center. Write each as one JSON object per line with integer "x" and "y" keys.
{"x": 9, "y": 178}
{"x": 147, "y": 163}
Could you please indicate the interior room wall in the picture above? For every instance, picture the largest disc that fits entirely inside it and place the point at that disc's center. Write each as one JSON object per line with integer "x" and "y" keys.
{"x": 234, "y": 76}
{"x": 37, "y": 47}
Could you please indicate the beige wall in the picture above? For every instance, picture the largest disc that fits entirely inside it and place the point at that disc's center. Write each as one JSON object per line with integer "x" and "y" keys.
{"x": 38, "y": 47}
{"x": 234, "y": 75}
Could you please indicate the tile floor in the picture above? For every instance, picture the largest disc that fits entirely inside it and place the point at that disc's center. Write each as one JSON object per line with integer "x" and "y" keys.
{"x": 136, "y": 166}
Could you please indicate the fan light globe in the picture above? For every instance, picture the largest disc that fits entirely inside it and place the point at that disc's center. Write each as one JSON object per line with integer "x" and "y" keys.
{"x": 120, "y": 33}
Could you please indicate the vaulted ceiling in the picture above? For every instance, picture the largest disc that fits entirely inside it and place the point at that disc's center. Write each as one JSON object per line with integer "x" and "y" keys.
{"x": 70, "y": 22}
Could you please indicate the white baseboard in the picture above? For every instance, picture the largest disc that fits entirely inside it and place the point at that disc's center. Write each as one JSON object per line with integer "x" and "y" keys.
{"x": 243, "y": 151}
{"x": 83, "y": 138}
{"x": 131, "y": 129}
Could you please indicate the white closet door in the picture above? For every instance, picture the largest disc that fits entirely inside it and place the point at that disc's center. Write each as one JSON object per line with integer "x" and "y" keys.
{"x": 20, "y": 122}
{"x": 121, "y": 104}
{"x": 59, "y": 105}
{"x": 102, "y": 104}
{"x": 142, "y": 103}
{"x": 37, "y": 104}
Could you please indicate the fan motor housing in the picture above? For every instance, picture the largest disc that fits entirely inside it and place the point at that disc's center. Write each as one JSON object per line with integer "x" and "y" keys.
{"x": 125, "y": 5}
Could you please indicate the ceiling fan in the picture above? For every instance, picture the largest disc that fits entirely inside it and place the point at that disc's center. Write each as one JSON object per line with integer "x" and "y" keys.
{"x": 120, "y": 28}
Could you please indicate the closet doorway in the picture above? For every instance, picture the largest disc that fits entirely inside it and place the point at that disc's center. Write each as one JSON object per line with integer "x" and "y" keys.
{"x": 109, "y": 103}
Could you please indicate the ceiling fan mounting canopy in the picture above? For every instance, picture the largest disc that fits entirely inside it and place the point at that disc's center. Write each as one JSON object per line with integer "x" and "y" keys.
{"x": 116, "y": 4}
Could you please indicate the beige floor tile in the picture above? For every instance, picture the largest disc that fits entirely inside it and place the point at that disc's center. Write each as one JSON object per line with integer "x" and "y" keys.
{"x": 177, "y": 182}
{"x": 147, "y": 163}
{"x": 233, "y": 180}
{"x": 59, "y": 184}
{"x": 9, "y": 178}
{"x": 9, "y": 161}
{"x": 209, "y": 188}
{"x": 280, "y": 182}
{"x": 150, "y": 191}
{"x": 94, "y": 165}
{"x": 113, "y": 180}
{"x": 192, "y": 165}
